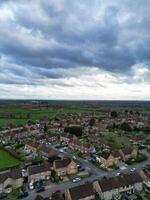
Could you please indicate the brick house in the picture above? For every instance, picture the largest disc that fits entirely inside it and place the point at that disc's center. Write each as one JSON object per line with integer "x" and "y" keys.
{"x": 47, "y": 152}
{"x": 65, "y": 166}
{"x": 82, "y": 147}
{"x": 33, "y": 146}
{"x": 67, "y": 137}
{"x": 145, "y": 174}
{"x": 128, "y": 152}
{"x": 113, "y": 187}
{"x": 38, "y": 172}
{"x": 106, "y": 159}
{"x": 10, "y": 180}
{"x": 52, "y": 137}
{"x": 80, "y": 192}
{"x": 41, "y": 149}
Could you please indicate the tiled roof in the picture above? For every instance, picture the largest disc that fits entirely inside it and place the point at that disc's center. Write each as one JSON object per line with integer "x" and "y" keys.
{"x": 81, "y": 191}
{"x": 62, "y": 163}
{"x": 119, "y": 181}
{"x": 36, "y": 169}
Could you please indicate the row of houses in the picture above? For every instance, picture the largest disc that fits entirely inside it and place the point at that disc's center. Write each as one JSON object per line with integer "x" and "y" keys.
{"x": 113, "y": 188}
{"x": 75, "y": 144}
{"x": 108, "y": 158}
{"x": 14, "y": 178}
{"x": 107, "y": 188}
{"x": 21, "y": 132}
{"x": 41, "y": 149}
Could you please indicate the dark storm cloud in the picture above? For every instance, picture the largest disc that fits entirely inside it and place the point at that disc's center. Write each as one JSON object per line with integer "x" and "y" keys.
{"x": 42, "y": 36}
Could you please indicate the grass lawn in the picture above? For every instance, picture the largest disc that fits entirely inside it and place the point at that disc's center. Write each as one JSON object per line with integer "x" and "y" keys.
{"x": 7, "y": 160}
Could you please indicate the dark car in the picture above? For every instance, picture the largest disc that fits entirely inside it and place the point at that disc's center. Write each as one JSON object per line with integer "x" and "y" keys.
{"x": 3, "y": 195}
{"x": 81, "y": 169}
{"x": 40, "y": 189}
{"x": 21, "y": 196}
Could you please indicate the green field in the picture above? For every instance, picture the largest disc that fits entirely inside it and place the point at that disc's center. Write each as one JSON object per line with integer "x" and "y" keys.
{"x": 20, "y": 114}
{"x": 7, "y": 160}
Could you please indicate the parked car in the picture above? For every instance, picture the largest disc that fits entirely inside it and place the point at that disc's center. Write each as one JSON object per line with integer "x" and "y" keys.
{"x": 31, "y": 186}
{"x": 77, "y": 179}
{"x": 132, "y": 170}
{"x": 40, "y": 189}
{"x": 74, "y": 158}
{"x": 3, "y": 195}
{"x": 81, "y": 169}
{"x": 23, "y": 195}
{"x": 61, "y": 151}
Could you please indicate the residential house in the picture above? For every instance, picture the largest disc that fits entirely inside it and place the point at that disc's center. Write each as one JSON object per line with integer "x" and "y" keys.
{"x": 38, "y": 172}
{"x": 66, "y": 137}
{"x": 116, "y": 154}
{"x": 56, "y": 196}
{"x": 82, "y": 147}
{"x": 41, "y": 149}
{"x": 65, "y": 166}
{"x": 114, "y": 187}
{"x": 33, "y": 146}
{"x": 106, "y": 159}
{"x": 47, "y": 152}
{"x": 145, "y": 175}
{"x": 80, "y": 192}
{"x": 128, "y": 152}
{"x": 52, "y": 137}
{"x": 10, "y": 180}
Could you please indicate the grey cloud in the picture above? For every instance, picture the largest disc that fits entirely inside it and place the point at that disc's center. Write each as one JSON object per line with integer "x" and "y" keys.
{"x": 72, "y": 34}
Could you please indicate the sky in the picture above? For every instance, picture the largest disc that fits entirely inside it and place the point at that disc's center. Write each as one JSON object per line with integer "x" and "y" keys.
{"x": 83, "y": 49}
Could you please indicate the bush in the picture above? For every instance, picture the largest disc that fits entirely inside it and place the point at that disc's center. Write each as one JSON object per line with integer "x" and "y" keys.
{"x": 55, "y": 176}
{"x": 36, "y": 161}
{"x": 140, "y": 158}
{"x": 114, "y": 166}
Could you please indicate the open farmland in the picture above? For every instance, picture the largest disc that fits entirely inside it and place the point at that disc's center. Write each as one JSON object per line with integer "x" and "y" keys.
{"x": 12, "y": 115}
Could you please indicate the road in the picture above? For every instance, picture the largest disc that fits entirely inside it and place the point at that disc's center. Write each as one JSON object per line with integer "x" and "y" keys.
{"x": 96, "y": 174}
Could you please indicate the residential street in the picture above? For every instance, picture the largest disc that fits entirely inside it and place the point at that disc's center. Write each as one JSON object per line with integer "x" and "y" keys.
{"x": 96, "y": 174}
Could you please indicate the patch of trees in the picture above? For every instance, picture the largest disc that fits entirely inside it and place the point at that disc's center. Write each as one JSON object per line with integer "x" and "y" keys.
{"x": 125, "y": 126}
{"x": 76, "y": 130}
{"x": 145, "y": 130}
{"x": 92, "y": 122}
{"x": 45, "y": 128}
{"x": 114, "y": 114}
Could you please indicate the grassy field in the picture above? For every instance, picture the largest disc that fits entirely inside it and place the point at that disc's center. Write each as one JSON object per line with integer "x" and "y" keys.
{"x": 7, "y": 160}
{"x": 20, "y": 114}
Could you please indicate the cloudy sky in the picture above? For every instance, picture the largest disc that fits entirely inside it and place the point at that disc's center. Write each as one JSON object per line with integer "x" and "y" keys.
{"x": 83, "y": 49}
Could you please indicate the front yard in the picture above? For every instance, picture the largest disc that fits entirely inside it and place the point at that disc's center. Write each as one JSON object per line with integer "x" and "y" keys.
{"x": 139, "y": 158}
